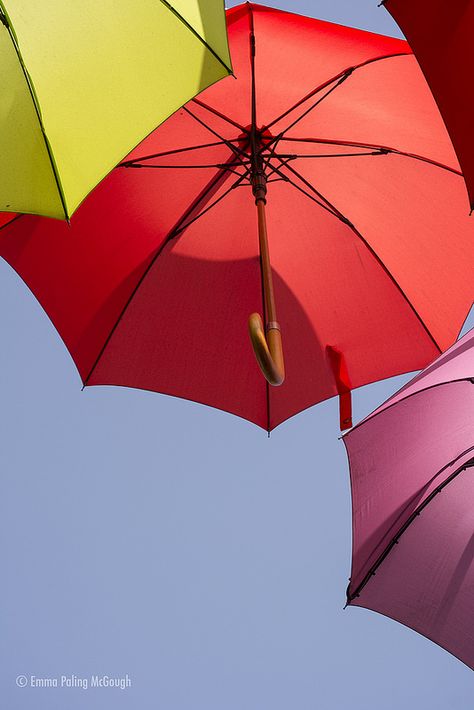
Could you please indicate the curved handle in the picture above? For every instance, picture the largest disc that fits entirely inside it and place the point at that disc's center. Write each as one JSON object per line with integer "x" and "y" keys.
{"x": 268, "y": 350}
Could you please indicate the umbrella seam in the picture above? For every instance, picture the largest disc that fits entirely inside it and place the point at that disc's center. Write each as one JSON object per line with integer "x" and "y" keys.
{"x": 181, "y": 227}
{"x": 235, "y": 149}
{"x": 351, "y": 226}
{"x": 399, "y": 517}
{"x": 196, "y": 34}
{"x": 126, "y": 163}
{"x": 411, "y": 518}
{"x": 13, "y": 219}
{"x": 336, "y": 85}
{"x": 36, "y": 105}
{"x": 404, "y": 399}
{"x": 386, "y": 149}
{"x": 175, "y": 231}
{"x": 345, "y": 73}
{"x": 217, "y": 113}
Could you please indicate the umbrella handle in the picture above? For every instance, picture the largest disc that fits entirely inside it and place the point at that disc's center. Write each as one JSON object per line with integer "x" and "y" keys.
{"x": 266, "y": 343}
{"x": 268, "y": 350}
{"x": 267, "y": 346}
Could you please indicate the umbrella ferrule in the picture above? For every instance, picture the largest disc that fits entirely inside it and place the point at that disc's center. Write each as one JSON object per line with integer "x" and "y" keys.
{"x": 272, "y": 325}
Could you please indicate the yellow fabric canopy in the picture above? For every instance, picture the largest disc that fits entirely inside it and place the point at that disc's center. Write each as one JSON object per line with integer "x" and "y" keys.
{"x": 82, "y": 83}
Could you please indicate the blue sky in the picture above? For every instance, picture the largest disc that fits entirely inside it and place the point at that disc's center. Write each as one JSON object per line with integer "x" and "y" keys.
{"x": 154, "y": 537}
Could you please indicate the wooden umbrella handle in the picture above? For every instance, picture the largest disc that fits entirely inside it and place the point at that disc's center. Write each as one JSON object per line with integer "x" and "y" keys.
{"x": 268, "y": 350}
{"x": 266, "y": 346}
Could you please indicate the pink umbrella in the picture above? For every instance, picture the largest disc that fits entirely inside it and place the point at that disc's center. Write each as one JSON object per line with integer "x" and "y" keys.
{"x": 412, "y": 477}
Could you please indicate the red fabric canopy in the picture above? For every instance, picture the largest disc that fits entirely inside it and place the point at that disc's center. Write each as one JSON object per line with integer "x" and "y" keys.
{"x": 371, "y": 247}
{"x": 441, "y": 35}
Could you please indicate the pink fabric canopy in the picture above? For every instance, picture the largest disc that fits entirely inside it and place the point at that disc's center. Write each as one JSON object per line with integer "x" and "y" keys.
{"x": 412, "y": 477}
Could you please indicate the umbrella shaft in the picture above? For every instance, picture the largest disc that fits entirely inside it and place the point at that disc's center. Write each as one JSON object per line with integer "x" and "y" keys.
{"x": 259, "y": 189}
{"x": 266, "y": 342}
{"x": 267, "y": 280}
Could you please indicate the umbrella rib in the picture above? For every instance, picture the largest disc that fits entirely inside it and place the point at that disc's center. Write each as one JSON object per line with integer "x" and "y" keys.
{"x": 346, "y": 221}
{"x": 330, "y": 141}
{"x": 293, "y": 156}
{"x": 13, "y": 219}
{"x": 196, "y": 34}
{"x": 314, "y": 199}
{"x": 178, "y": 230}
{"x": 322, "y": 202}
{"x": 275, "y": 140}
{"x": 126, "y": 163}
{"x": 175, "y": 231}
{"x": 37, "y": 109}
{"x": 277, "y": 169}
{"x": 219, "y": 114}
{"x": 235, "y": 149}
{"x": 382, "y": 150}
{"x": 380, "y": 411}
{"x": 344, "y": 73}
{"x": 412, "y": 517}
{"x": 284, "y": 163}
{"x": 226, "y": 166}
{"x": 285, "y": 178}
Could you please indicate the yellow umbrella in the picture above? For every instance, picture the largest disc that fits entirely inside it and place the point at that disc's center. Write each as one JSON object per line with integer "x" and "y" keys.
{"x": 82, "y": 83}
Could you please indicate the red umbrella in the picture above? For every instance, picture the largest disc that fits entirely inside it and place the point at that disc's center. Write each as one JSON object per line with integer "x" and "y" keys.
{"x": 440, "y": 34}
{"x": 359, "y": 198}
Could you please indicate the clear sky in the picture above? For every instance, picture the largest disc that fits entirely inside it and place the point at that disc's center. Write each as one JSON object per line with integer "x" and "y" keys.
{"x": 154, "y": 537}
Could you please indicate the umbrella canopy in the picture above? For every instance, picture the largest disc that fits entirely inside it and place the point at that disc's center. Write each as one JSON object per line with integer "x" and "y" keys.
{"x": 440, "y": 33}
{"x": 370, "y": 251}
{"x": 412, "y": 475}
{"x": 83, "y": 82}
